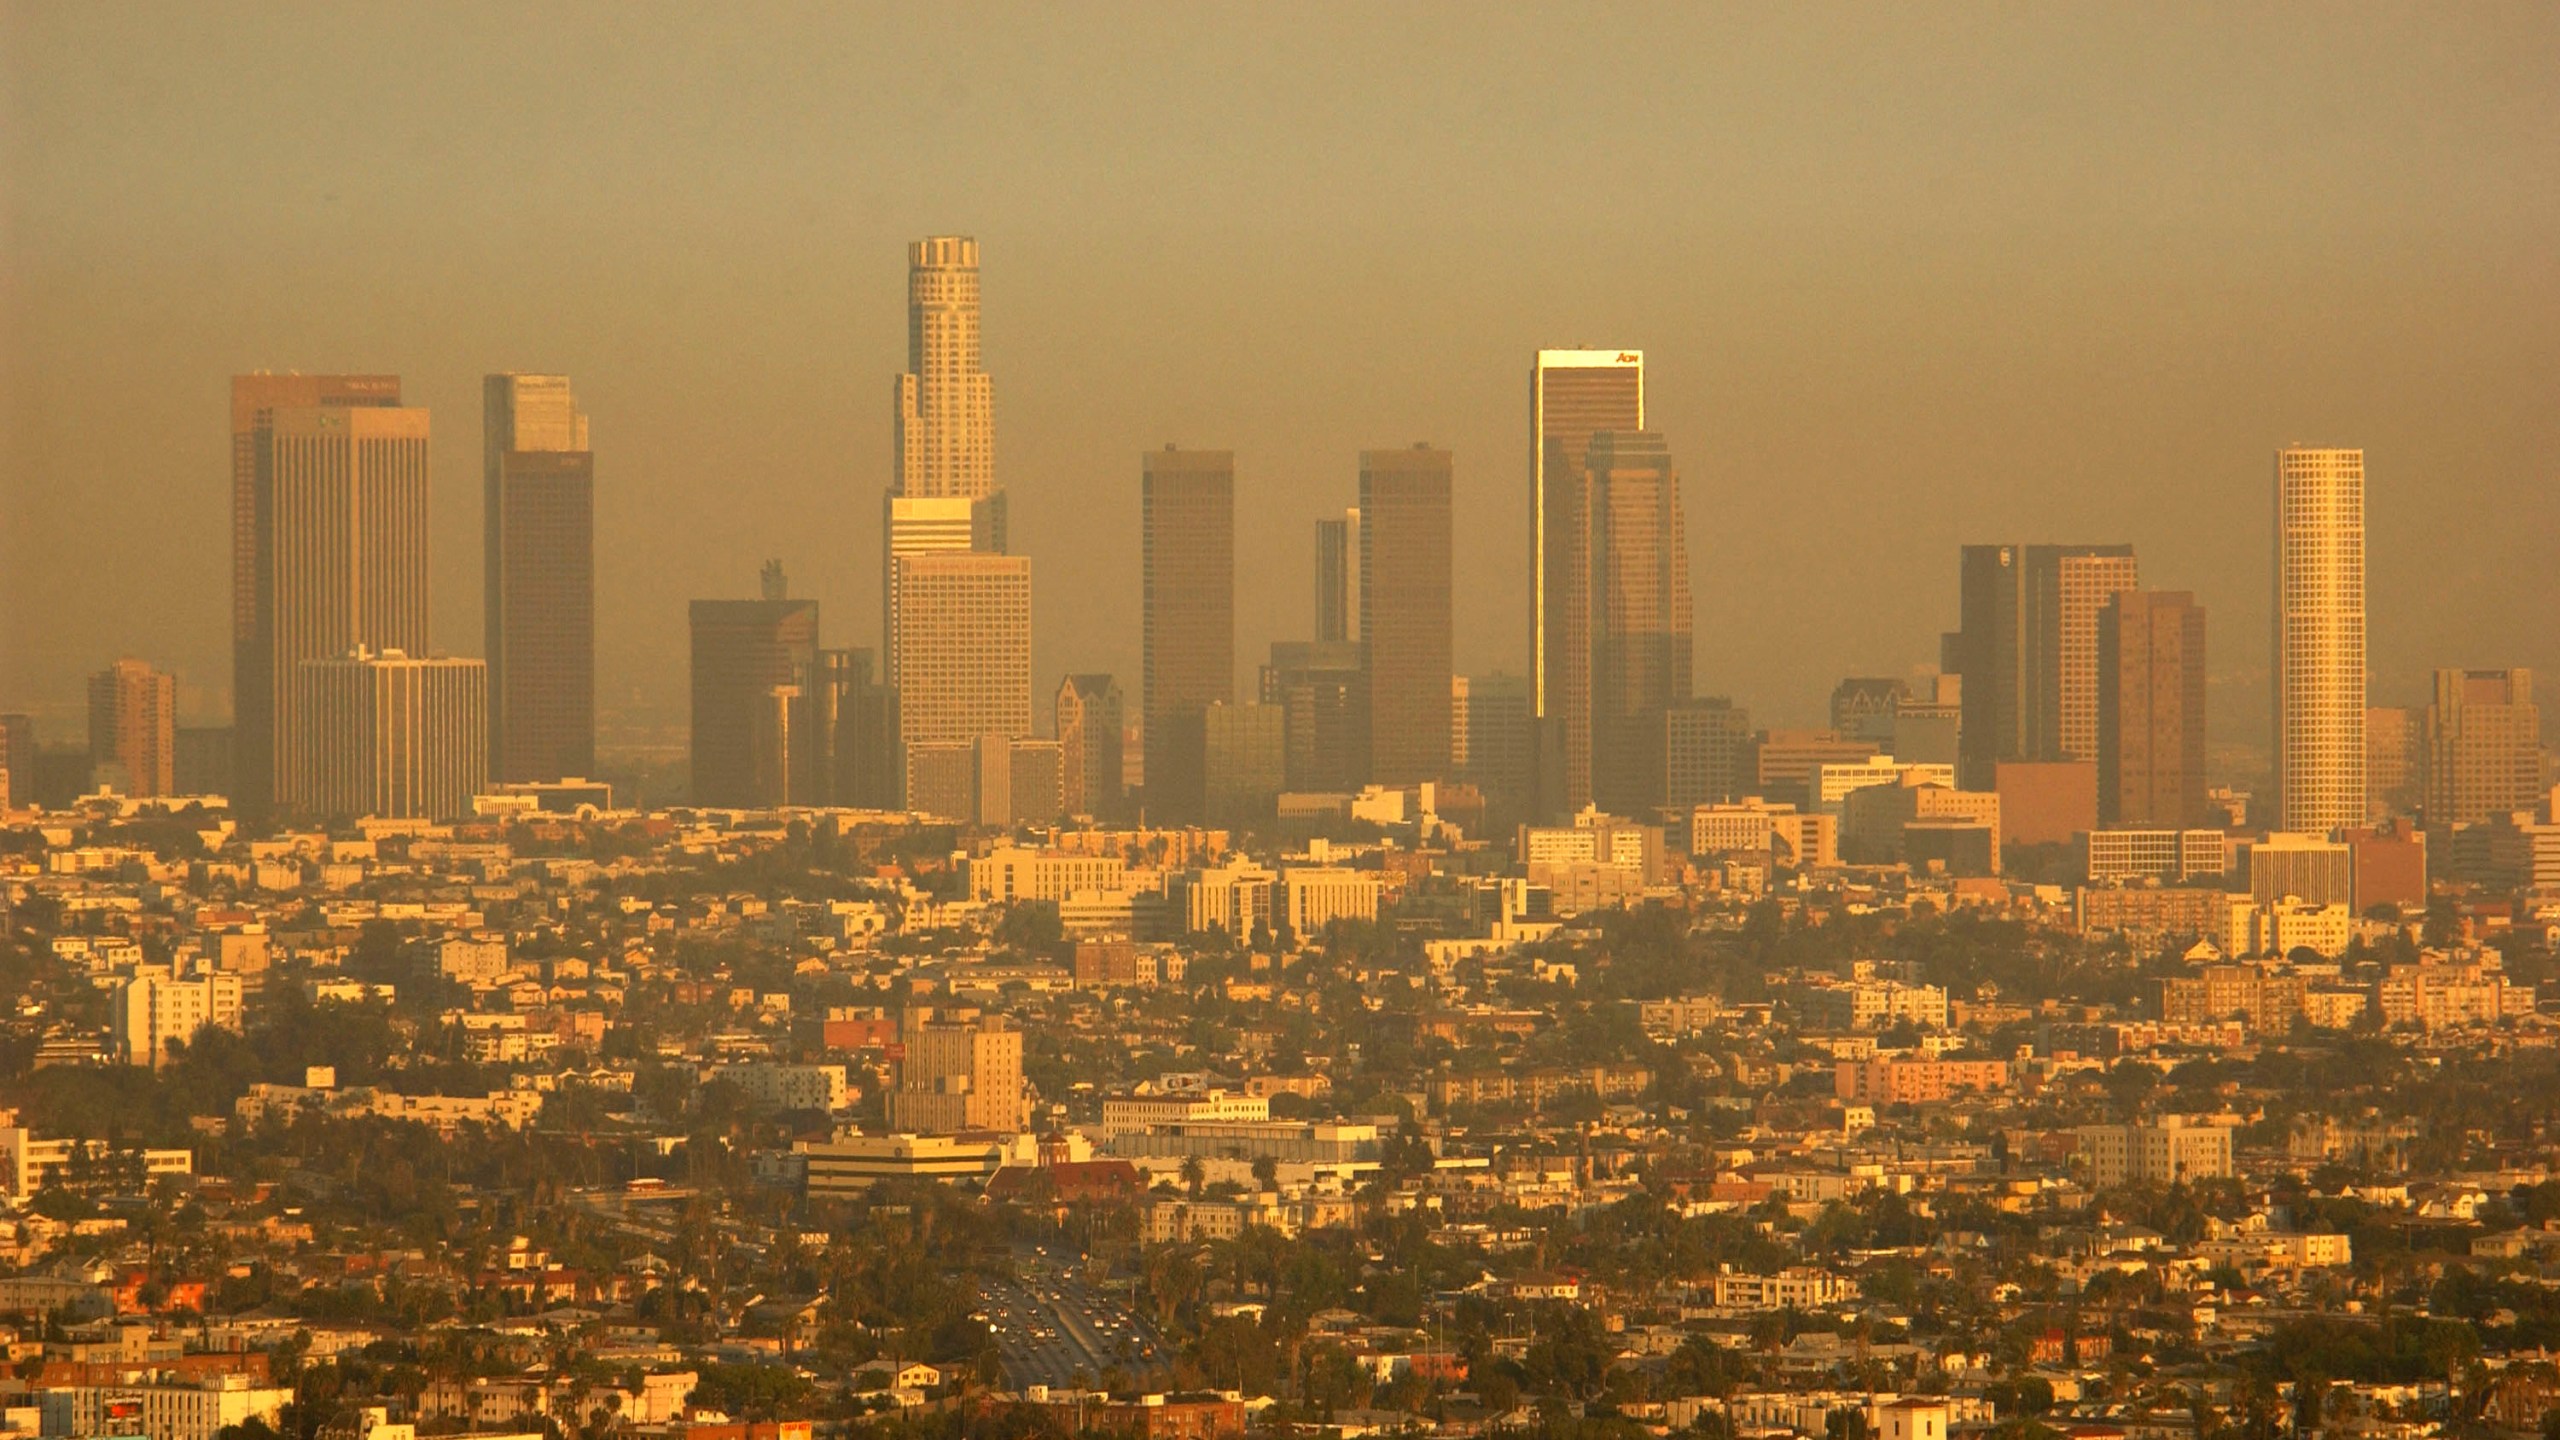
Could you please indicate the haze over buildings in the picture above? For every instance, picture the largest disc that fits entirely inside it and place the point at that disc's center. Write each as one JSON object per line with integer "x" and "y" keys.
{"x": 1018, "y": 1029}
{"x": 1806, "y": 215}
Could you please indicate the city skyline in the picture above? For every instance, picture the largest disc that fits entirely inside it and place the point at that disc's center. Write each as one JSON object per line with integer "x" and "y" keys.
{"x": 1947, "y": 835}
{"x": 2038, "y": 625}
{"x": 1938, "y": 419}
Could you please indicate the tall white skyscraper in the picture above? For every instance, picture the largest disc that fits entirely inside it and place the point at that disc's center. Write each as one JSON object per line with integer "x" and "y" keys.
{"x": 946, "y": 404}
{"x": 956, "y": 608}
{"x": 2319, "y": 639}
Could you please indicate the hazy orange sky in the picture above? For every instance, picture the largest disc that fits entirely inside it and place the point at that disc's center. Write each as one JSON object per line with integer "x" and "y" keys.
{"x": 1906, "y": 277}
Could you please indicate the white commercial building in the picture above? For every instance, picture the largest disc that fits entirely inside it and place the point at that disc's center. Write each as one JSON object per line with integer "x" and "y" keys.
{"x": 1313, "y": 897}
{"x": 773, "y": 1086}
{"x": 162, "y": 1412}
{"x": 153, "y": 1008}
{"x": 2112, "y": 857}
{"x": 2174, "y": 1151}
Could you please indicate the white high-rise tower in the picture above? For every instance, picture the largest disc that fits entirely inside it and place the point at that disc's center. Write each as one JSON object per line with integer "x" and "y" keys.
{"x": 956, "y": 606}
{"x": 946, "y": 404}
{"x": 2319, "y": 639}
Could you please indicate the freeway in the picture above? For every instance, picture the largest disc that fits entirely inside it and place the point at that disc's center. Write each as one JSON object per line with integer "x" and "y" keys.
{"x": 1052, "y": 1328}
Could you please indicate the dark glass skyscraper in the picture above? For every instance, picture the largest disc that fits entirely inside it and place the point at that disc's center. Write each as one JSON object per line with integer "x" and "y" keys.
{"x": 1338, "y": 577}
{"x": 1404, "y": 611}
{"x": 1640, "y": 614}
{"x": 538, "y": 521}
{"x": 753, "y": 662}
{"x": 2151, "y": 717}
{"x": 2027, "y": 649}
{"x": 1187, "y": 506}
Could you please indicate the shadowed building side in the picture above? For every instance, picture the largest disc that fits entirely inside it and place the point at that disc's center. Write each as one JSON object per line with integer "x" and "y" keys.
{"x": 538, "y": 525}
{"x": 1404, "y": 612}
{"x": 1187, "y": 504}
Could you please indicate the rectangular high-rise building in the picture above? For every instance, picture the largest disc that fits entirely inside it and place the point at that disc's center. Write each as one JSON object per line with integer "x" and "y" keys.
{"x": 2151, "y": 719}
{"x": 1338, "y": 577}
{"x": 1640, "y": 614}
{"x": 2484, "y": 747}
{"x": 1322, "y": 689}
{"x": 133, "y": 726}
{"x": 254, "y": 401}
{"x": 1706, "y": 752}
{"x": 851, "y": 715}
{"x": 1088, "y": 719}
{"x": 958, "y": 1074}
{"x": 1187, "y": 514}
{"x": 1500, "y": 759}
{"x": 1247, "y": 760}
{"x": 382, "y": 733}
{"x": 538, "y": 521}
{"x": 1404, "y": 611}
{"x": 1573, "y": 395}
{"x": 927, "y": 525}
{"x": 339, "y": 538}
{"x": 2027, "y": 651}
{"x": 753, "y": 662}
{"x": 2395, "y": 759}
{"x": 2319, "y": 654}
{"x": 964, "y": 650}
{"x": 2082, "y": 581}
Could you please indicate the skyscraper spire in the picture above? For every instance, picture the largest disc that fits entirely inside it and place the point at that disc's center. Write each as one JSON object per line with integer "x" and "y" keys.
{"x": 946, "y": 404}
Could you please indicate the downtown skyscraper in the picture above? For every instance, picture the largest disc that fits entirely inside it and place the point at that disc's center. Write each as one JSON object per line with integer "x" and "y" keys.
{"x": 2027, "y": 648}
{"x": 339, "y": 547}
{"x": 961, "y": 673}
{"x": 255, "y": 399}
{"x": 1404, "y": 612}
{"x": 1187, "y": 508}
{"x": 754, "y": 671}
{"x": 1338, "y": 577}
{"x": 2483, "y": 747}
{"x": 539, "y": 520}
{"x": 1573, "y": 394}
{"x": 1641, "y": 614}
{"x": 1090, "y": 747}
{"x": 2151, "y": 715}
{"x": 2319, "y": 651}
